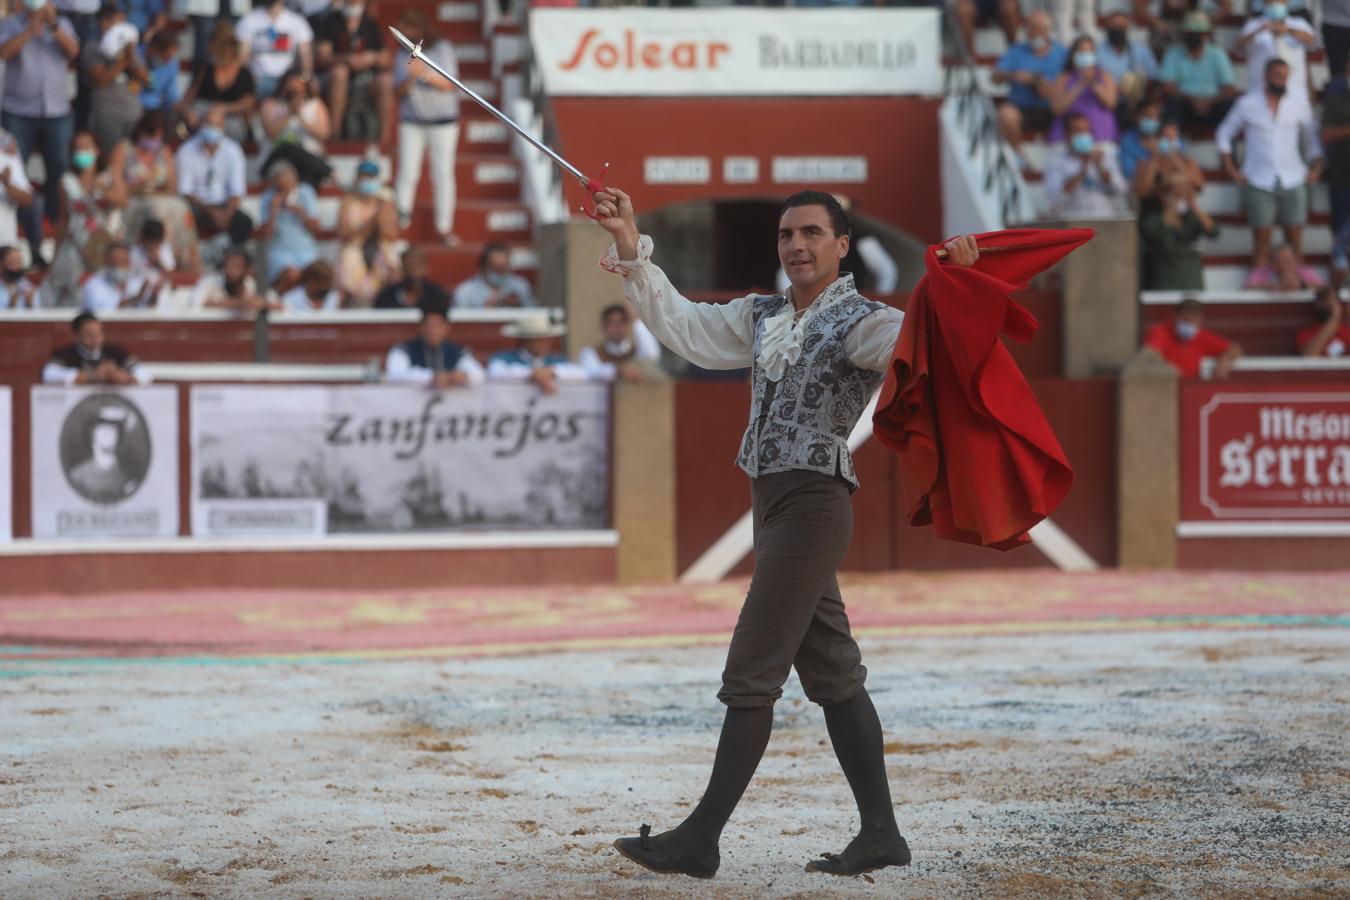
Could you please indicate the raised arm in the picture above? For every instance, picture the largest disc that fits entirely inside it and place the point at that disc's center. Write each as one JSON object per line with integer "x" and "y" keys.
{"x": 714, "y": 336}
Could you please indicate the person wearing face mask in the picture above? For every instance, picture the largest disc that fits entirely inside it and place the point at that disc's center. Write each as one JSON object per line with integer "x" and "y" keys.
{"x": 275, "y": 40}
{"x": 115, "y": 74}
{"x": 1276, "y": 33}
{"x": 1169, "y": 160}
{"x": 1170, "y": 233}
{"x": 1327, "y": 335}
{"x": 16, "y": 289}
{"x": 210, "y": 168}
{"x": 495, "y": 285}
{"x": 298, "y": 125}
{"x": 315, "y": 292}
{"x": 355, "y": 70}
{"x": 415, "y": 290}
{"x": 368, "y": 237}
{"x": 1140, "y": 142}
{"x": 37, "y": 45}
{"x": 1130, "y": 62}
{"x": 1081, "y": 175}
{"x": 289, "y": 225}
{"x": 1197, "y": 76}
{"x": 232, "y": 288}
{"x": 1185, "y": 343}
{"x": 90, "y": 217}
{"x": 114, "y": 287}
{"x": 1029, "y": 69}
{"x": 1086, "y": 89}
{"x": 627, "y": 348}
{"x": 16, "y": 192}
{"x": 1281, "y": 157}
{"x": 147, "y": 166}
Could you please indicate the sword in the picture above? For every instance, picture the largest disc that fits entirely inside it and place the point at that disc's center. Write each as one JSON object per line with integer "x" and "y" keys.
{"x": 591, "y": 185}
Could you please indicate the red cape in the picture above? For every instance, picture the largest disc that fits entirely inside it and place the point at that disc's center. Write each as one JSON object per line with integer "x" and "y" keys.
{"x": 978, "y": 460}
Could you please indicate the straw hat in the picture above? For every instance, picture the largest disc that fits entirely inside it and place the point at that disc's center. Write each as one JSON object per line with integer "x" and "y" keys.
{"x": 535, "y": 325}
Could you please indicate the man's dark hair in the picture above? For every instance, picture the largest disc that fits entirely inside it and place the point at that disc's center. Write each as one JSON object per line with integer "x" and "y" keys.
{"x": 838, "y": 218}
{"x": 429, "y": 310}
{"x": 491, "y": 248}
{"x": 1276, "y": 61}
{"x": 163, "y": 40}
{"x": 1190, "y": 305}
{"x": 611, "y": 310}
{"x": 115, "y": 245}
{"x": 79, "y": 321}
{"x": 1074, "y": 117}
{"x": 152, "y": 230}
{"x": 239, "y": 252}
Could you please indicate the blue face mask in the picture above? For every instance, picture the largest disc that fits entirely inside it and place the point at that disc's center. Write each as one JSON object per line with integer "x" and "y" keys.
{"x": 1084, "y": 59}
{"x": 1186, "y": 330}
{"x": 211, "y": 134}
{"x": 1039, "y": 42}
{"x": 1149, "y": 126}
{"x": 35, "y": 5}
{"x": 1276, "y": 12}
{"x": 1168, "y": 146}
{"x": 368, "y": 186}
{"x": 1082, "y": 143}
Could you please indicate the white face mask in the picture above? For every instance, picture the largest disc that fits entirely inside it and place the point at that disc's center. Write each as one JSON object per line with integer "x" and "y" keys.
{"x": 1187, "y": 330}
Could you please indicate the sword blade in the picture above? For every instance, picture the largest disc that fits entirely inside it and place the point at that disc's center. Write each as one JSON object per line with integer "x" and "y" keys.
{"x": 416, "y": 53}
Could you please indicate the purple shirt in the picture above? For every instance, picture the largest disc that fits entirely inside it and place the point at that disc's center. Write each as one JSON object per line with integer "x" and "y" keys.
{"x": 1100, "y": 118}
{"x": 37, "y": 80}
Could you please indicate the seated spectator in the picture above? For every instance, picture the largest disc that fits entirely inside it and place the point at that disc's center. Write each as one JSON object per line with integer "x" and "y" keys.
{"x": 315, "y": 291}
{"x": 1336, "y": 144}
{"x": 1029, "y": 69}
{"x": 1169, "y": 161}
{"x": 368, "y": 237}
{"x": 416, "y": 290}
{"x": 289, "y": 210}
{"x": 18, "y": 190}
{"x": 537, "y": 357}
{"x": 113, "y": 287}
{"x": 495, "y": 285}
{"x": 233, "y": 287}
{"x": 223, "y": 81}
{"x": 92, "y": 361}
{"x": 160, "y": 94}
{"x": 1087, "y": 89}
{"x": 1141, "y": 141}
{"x": 274, "y": 40}
{"x": 1131, "y": 63}
{"x": 1274, "y": 33}
{"x": 625, "y": 346}
{"x": 297, "y": 125}
{"x": 115, "y": 75}
{"x": 1081, "y": 176}
{"x": 210, "y": 170}
{"x": 1328, "y": 334}
{"x": 1286, "y": 273}
{"x": 354, "y": 69}
{"x": 969, "y": 14}
{"x": 1274, "y": 176}
{"x": 1184, "y": 343}
{"x": 89, "y": 218}
{"x": 152, "y": 259}
{"x": 428, "y": 122}
{"x": 17, "y": 290}
{"x": 1170, "y": 234}
{"x": 431, "y": 358}
{"x": 1197, "y": 77}
{"x": 148, "y": 168}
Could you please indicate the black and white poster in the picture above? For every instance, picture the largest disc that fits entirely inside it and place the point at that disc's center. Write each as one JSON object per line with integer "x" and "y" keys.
{"x": 105, "y": 462}
{"x": 6, "y": 461}
{"x": 307, "y": 461}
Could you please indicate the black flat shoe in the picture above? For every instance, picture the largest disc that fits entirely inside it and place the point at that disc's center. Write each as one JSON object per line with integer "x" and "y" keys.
{"x": 863, "y": 854}
{"x": 644, "y": 851}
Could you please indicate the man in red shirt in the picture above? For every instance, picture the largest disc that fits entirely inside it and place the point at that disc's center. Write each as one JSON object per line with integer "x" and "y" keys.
{"x": 1184, "y": 343}
{"x": 1328, "y": 335}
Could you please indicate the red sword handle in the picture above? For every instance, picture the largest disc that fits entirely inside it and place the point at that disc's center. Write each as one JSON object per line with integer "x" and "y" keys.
{"x": 594, "y": 185}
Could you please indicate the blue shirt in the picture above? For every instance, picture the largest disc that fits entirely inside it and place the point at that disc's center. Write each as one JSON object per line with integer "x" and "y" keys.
{"x": 292, "y": 243}
{"x": 1021, "y": 58}
{"x": 1203, "y": 77}
{"x": 162, "y": 91}
{"x": 1132, "y": 153}
{"x": 521, "y": 358}
{"x": 1136, "y": 58}
{"x": 37, "y": 85}
{"x": 142, "y": 12}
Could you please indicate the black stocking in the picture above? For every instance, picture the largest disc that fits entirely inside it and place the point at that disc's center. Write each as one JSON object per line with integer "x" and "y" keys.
{"x": 855, "y": 732}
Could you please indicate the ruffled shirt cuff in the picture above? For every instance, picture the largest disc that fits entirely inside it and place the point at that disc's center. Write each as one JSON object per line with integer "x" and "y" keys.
{"x": 610, "y": 262}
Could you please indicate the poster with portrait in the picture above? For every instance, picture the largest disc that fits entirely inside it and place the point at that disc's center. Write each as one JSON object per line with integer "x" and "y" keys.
{"x": 6, "y": 461}
{"x": 388, "y": 459}
{"x": 105, "y": 462}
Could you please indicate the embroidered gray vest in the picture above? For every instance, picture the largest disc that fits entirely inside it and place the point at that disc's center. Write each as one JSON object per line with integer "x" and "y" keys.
{"x": 803, "y": 420}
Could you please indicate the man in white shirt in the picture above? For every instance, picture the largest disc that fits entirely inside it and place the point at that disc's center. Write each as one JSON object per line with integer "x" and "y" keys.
{"x": 1274, "y": 176}
{"x": 275, "y": 40}
{"x": 315, "y": 292}
{"x": 817, "y": 356}
{"x": 432, "y": 358}
{"x": 18, "y": 190}
{"x": 625, "y": 346}
{"x": 1276, "y": 34}
{"x": 114, "y": 287}
{"x": 211, "y": 177}
{"x": 17, "y": 291}
{"x": 1082, "y": 177}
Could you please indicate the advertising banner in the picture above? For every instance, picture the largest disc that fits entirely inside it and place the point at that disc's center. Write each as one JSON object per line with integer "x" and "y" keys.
{"x": 6, "y": 463}
{"x": 1263, "y": 454}
{"x": 737, "y": 52}
{"x": 307, "y": 461}
{"x": 105, "y": 462}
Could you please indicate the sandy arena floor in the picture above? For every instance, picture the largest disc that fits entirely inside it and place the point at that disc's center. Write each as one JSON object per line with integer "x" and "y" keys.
{"x": 1186, "y": 761}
